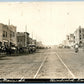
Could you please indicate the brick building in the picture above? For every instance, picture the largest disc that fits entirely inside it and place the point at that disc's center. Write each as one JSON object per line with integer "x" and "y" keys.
{"x": 7, "y": 35}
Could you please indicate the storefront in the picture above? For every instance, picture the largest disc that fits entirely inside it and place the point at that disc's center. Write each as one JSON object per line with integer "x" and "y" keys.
{"x": 5, "y": 43}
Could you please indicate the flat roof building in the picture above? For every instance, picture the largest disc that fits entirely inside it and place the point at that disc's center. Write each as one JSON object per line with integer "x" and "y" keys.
{"x": 22, "y": 39}
{"x": 7, "y": 35}
{"x": 79, "y": 36}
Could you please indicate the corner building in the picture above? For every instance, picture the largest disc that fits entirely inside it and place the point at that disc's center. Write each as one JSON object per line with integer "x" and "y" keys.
{"x": 7, "y": 35}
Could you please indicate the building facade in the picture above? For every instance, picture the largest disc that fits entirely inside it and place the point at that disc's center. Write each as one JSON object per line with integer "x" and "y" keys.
{"x": 79, "y": 36}
{"x": 39, "y": 44}
{"x": 32, "y": 41}
{"x": 13, "y": 39}
{"x": 71, "y": 40}
{"x": 7, "y": 35}
{"x": 22, "y": 39}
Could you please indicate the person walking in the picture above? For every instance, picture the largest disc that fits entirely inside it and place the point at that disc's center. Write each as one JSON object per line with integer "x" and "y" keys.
{"x": 76, "y": 48}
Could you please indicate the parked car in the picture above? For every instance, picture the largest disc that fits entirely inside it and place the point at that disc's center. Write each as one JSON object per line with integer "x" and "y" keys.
{"x": 66, "y": 47}
{"x": 32, "y": 48}
{"x": 11, "y": 50}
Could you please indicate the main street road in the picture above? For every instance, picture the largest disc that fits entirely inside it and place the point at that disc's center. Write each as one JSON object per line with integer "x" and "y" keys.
{"x": 45, "y": 63}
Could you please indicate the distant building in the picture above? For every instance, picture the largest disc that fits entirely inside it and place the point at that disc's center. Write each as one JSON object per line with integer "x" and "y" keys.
{"x": 7, "y": 35}
{"x": 79, "y": 36}
{"x": 39, "y": 44}
{"x": 32, "y": 41}
{"x": 71, "y": 40}
{"x": 65, "y": 43}
{"x": 22, "y": 39}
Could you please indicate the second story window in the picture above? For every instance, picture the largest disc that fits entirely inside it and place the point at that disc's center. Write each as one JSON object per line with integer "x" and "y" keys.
{"x": 3, "y": 33}
{"x": 10, "y": 34}
{"x": 80, "y": 31}
{"x": 6, "y": 34}
{"x": 13, "y": 34}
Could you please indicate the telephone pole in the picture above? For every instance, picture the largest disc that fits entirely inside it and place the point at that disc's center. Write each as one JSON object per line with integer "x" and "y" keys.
{"x": 32, "y": 35}
{"x": 25, "y": 28}
{"x": 9, "y": 22}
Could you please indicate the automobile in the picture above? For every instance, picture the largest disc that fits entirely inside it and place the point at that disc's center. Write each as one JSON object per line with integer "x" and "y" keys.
{"x": 66, "y": 46}
{"x": 11, "y": 50}
{"x": 60, "y": 46}
{"x": 32, "y": 48}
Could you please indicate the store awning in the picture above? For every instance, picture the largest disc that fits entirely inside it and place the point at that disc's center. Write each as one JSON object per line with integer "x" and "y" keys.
{"x": 5, "y": 41}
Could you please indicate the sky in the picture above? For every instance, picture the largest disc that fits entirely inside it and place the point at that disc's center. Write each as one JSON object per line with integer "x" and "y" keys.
{"x": 48, "y": 22}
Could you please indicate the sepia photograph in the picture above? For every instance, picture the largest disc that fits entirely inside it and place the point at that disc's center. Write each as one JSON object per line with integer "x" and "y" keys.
{"x": 42, "y": 40}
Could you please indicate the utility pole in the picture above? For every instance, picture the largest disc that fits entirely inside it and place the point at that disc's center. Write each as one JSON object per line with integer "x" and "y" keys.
{"x": 36, "y": 36}
{"x": 25, "y": 35}
{"x": 25, "y": 28}
{"x": 7, "y": 30}
{"x": 32, "y": 35}
{"x": 9, "y": 22}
